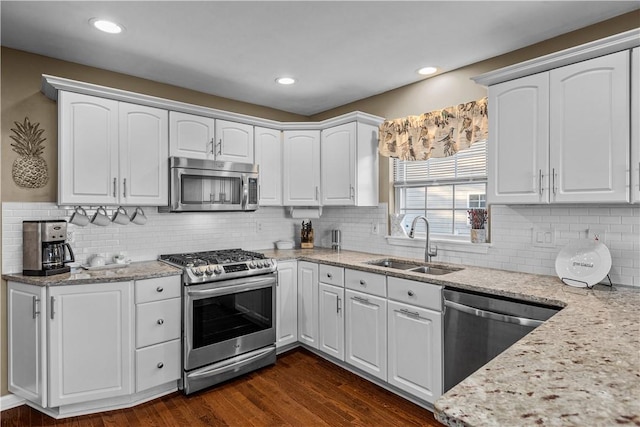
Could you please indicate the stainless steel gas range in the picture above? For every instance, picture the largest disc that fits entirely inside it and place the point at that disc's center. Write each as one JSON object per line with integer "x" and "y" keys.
{"x": 228, "y": 315}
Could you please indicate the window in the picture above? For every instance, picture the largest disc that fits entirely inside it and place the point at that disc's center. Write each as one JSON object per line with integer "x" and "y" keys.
{"x": 442, "y": 189}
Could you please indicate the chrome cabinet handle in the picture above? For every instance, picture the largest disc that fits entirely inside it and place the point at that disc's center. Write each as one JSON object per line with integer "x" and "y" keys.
{"x": 160, "y": 321}
{"x": 540, "y": 189}
{"x": 159, "y": 289}
{"x": 353, "y": 193}
{"x": 317, "y": 192}
{"x": 410, "y": 293}
{"x": 220, "y": 147}
{"x": 362, "y": 300}
{"x": 212, "y": 145}
{"x": 160, "y": 365}
{"x": 53, "y": 301}
{"x": 363, "y": 282}
{"x": 36, "y": 300}
{"x": 114, "y": 187}
{"x": 338, "y": 307}
{"x": 408, "y": 313}
{"x": 553, "y": 186}
{"x": 124, "y": 185}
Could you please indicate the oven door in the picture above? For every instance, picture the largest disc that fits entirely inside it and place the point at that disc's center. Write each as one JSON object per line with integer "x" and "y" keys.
{"x": 225, "y": 319}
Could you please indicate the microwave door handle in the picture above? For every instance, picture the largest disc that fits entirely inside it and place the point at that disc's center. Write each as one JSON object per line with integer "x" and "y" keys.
{"x": 245, "y": 191}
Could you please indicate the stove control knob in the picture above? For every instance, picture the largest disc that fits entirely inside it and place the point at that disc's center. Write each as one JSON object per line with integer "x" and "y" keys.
{"x": 267, "y": 263}
{"x": 252, "y": 264}
{"x": 263, "y": 264}
{"x": 196, "y": 271}
{"x": 209, "y": 271}
{"x": 217, "y": 270}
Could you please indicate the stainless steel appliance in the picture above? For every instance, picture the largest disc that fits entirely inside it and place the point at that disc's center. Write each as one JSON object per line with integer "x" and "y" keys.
{"x": 206, "y": 185}
{"x": 229, "y": 308}
{"x": 478, "y": 327}
{"x": 44, "y": 250}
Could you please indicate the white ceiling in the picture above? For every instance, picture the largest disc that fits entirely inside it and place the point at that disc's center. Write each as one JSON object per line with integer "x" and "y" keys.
{"x": 339, "y": 51}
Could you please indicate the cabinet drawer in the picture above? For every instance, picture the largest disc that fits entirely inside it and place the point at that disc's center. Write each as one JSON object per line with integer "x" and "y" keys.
{"x": 157, "y": 364}
{"x": 363, "y": 281}
{"x": 157, "y": 322}
{"x": 416, "y": 293}
{"x": 157, "y": 289}
{"x": 331, "y": 275}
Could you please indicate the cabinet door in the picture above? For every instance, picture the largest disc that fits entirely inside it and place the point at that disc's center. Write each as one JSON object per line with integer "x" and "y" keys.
{"x": 338, "y": 165}
{"x": 366, "y": 333}
{"x": 27, "y": 342}
{"x": 589, "y": 130}
{"x": 234, "y": 142}
{"x": 635, "y": 125}
{"x": 191, "y": 136}
{"x": 90, "y": 342}
{"x": 301, "y": 168}
{"x": 308, "y": 303}
{"x": 415, "y": 350}
{"x": 331, "y": 320}
{"x": 287, "y": 303}
{"x": 87, "y": 150}
{"x": 517, "y": 151}
{"x": 144, "y": 152}
{"x": 268, "y": 144}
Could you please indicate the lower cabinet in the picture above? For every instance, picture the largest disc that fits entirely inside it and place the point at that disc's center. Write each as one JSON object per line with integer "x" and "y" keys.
{"x": 331, "y": 320}
{"x": 72, "y": 348}
{"x": 366, "y": 333}
{"x": 287, "y": 303}
{"x": 308, "y": 303}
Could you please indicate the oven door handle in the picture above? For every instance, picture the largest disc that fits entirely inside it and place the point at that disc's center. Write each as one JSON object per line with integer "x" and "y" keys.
{"x": 235, "y": 362}
{"x": 248, "y": 284}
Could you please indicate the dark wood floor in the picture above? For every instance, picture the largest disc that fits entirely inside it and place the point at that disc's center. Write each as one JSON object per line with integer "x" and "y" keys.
{"x": 302, "y": 389}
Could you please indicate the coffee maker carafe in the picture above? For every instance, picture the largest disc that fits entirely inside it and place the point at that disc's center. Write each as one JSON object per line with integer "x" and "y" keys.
{"x": 44, "y": 250}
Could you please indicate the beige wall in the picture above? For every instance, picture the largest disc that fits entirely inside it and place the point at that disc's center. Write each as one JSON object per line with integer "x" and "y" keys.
{"x": 21, "y": 96}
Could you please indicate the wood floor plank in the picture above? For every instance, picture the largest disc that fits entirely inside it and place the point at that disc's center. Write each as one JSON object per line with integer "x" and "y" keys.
{"x": 301, "y": 390}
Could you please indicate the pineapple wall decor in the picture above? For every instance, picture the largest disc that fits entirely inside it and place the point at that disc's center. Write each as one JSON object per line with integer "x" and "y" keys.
{"x": 29, "y": 169}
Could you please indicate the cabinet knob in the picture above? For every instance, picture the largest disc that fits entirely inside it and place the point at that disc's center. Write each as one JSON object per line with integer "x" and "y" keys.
{"x": 159, "y": 289}
{"x": 329, "y": 275}
{"x": 160, "y": 365}
{"x": 362, "y": 282}
{"x": 410, "y": 293}
{"x": 160, "y": 321}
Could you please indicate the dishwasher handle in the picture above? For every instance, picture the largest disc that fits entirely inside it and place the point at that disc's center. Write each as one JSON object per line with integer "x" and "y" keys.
{"x": 524, "y": 321}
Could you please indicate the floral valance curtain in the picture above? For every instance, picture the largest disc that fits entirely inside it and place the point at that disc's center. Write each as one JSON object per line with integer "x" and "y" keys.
{"x": 440, "y": 133}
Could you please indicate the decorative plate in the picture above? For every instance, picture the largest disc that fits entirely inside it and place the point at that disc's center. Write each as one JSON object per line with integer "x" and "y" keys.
{"x": 583, "y": 263}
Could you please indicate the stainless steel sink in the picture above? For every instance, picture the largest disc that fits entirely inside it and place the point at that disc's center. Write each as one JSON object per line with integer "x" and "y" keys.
{"x": 392, "y": 263}
{"x": 414, "y": 267}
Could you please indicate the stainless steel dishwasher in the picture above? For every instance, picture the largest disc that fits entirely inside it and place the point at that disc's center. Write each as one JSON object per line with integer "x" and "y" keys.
{"x": 478, "y": 327}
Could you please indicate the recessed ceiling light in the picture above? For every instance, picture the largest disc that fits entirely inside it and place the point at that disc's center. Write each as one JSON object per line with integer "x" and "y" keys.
{"x": 285, "y": 80}
{"x": 426, "y": 71}
{"x": 106, "y": 26}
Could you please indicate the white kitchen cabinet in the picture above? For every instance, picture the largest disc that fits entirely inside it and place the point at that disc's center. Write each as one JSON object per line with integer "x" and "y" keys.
{"x": 331, "y": 320}
{"x": 518, "y": 146}
{"x": 635, "y": 125}
{"x": 589, "y": 130}
{"x": 90, "y": 342}
{"x": 191, "y": 136}
{"x": 143, "y": 152}
{"x": 561, "y": 136}
{"x": 301, "y": 168}
{"x": 308, "y": 303}
{"x": 27, "y": 342}
{"x": 268, "y": 153}
{"x": 287, "y": 303}
{"x": 111, "y": 152}
{"x": 366, "y": 333}
{"x": 415, "y": 350}
{"x": 234, "y": 142}
{"x": 349, "y": 165}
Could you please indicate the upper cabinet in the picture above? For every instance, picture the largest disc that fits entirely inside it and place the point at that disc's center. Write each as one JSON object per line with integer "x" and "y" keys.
{"x": 635, "y": 125}
{"x": 111, "y": 152}
{"x": 301, "y": 168}
{"x": 562, "y": 136}
{"x": 268, "y": 151}
{"x": 234, "y": 142}
{"x": 191, "y": 136}
{"x": 349, "y": 165}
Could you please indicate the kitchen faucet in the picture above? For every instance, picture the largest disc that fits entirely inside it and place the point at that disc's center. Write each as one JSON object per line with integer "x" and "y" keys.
{"x": 428, "y": 253}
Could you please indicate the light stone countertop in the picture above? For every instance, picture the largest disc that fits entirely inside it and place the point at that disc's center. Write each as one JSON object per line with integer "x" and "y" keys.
{"x": 580, "y": 368}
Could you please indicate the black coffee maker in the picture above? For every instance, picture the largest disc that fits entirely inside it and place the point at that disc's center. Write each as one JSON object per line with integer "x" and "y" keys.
{"x": 44, "y": 250}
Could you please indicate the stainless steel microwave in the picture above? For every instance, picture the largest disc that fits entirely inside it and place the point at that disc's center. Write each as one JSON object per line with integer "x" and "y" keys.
{"x": 197, "y": 185}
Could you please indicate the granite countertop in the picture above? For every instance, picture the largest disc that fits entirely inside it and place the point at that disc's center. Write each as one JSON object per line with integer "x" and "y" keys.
{"x": 581, "y": 367}
{"x": 133, "y": 271}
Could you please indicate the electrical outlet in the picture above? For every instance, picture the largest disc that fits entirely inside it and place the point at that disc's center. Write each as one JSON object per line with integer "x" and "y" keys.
{"x": 375, "y": 227}
{"x": 543, "y": 237}
{"x": 71, "y": 237}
